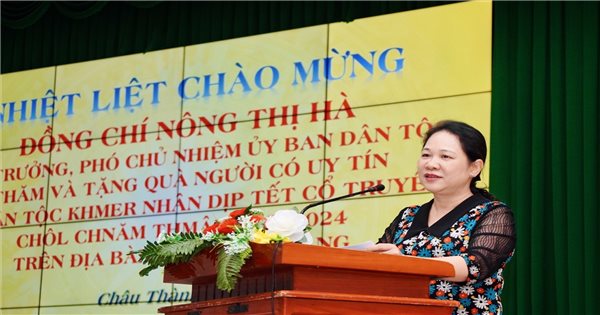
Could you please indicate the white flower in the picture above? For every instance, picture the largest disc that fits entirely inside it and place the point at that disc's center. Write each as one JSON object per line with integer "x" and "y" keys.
{"x": 235, "y": 244}
{"x": 457, "y": 233}
{"x": 245, "y": 222}
{"x": 410, "y": 241}
{"x": 467, "y": 289}
{"x": 257, "y": 211}
{"x": 462, "y": 311}
{"x": 209, "y": 237}
{"x": 481, "y": 302}
{"x": 435, "y": 241}
{"x": 233, "y": 248}
{"x": 162, "y": 236}
{"x": 437, "y": 252}
{"x": 473, "y": 270}
{"x": 444, "y": 286}
{"x": 488, "y": 281}
{"x": 287, "y": 223}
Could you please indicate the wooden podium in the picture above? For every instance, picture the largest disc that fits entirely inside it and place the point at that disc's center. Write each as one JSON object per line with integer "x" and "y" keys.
{"x": 306, "y": 279}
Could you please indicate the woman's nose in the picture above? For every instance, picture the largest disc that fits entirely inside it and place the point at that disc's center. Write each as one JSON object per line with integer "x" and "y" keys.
{"x": 432, "y": 164}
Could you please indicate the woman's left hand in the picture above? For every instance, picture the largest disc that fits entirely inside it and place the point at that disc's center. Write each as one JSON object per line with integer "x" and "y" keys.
{"x": 384, "y": 248}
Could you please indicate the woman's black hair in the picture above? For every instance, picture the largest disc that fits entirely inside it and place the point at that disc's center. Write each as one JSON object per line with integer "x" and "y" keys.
{"x": 473, "y": 144}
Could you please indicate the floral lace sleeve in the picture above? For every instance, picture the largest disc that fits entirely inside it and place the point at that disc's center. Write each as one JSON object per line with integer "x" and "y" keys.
{"x": 492, "y": 242}
{"x": 390, "y": 231}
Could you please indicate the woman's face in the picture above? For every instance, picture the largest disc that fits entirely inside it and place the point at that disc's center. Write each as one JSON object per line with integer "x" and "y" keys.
{"x": 444, "y": 168}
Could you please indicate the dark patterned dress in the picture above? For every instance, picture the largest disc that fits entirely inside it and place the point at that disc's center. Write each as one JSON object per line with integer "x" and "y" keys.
{"x": 480, "y": 231}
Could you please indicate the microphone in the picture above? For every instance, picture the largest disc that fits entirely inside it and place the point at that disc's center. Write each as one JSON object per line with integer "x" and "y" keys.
{"x": 378, "y": 187}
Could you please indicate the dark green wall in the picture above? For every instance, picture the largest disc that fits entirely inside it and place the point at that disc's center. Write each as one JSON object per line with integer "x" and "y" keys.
{"x": 47, "y": 33}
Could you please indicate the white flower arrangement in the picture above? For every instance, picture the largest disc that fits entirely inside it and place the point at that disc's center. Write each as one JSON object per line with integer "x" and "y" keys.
{"x": 231, "y": 236}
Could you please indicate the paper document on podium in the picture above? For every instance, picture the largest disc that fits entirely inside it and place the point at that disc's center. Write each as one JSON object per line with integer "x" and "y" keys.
{"x": 360, "y": 246}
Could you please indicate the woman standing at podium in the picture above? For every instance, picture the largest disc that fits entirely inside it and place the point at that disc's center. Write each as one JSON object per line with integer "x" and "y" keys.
{"x": 463, "y": 224}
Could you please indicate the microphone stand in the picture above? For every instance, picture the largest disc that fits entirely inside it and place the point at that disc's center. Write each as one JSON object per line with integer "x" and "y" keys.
{"x": 370, "y": 189}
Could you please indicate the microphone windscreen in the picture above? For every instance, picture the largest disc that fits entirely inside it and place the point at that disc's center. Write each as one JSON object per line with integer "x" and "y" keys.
{"x": 379, "y": 187}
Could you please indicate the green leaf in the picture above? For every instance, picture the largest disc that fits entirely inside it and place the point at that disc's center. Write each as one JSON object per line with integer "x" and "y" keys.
{"x": 146, "y": 271}
{"x": 174, "y": 249}
{"x": 229, "y": 267}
